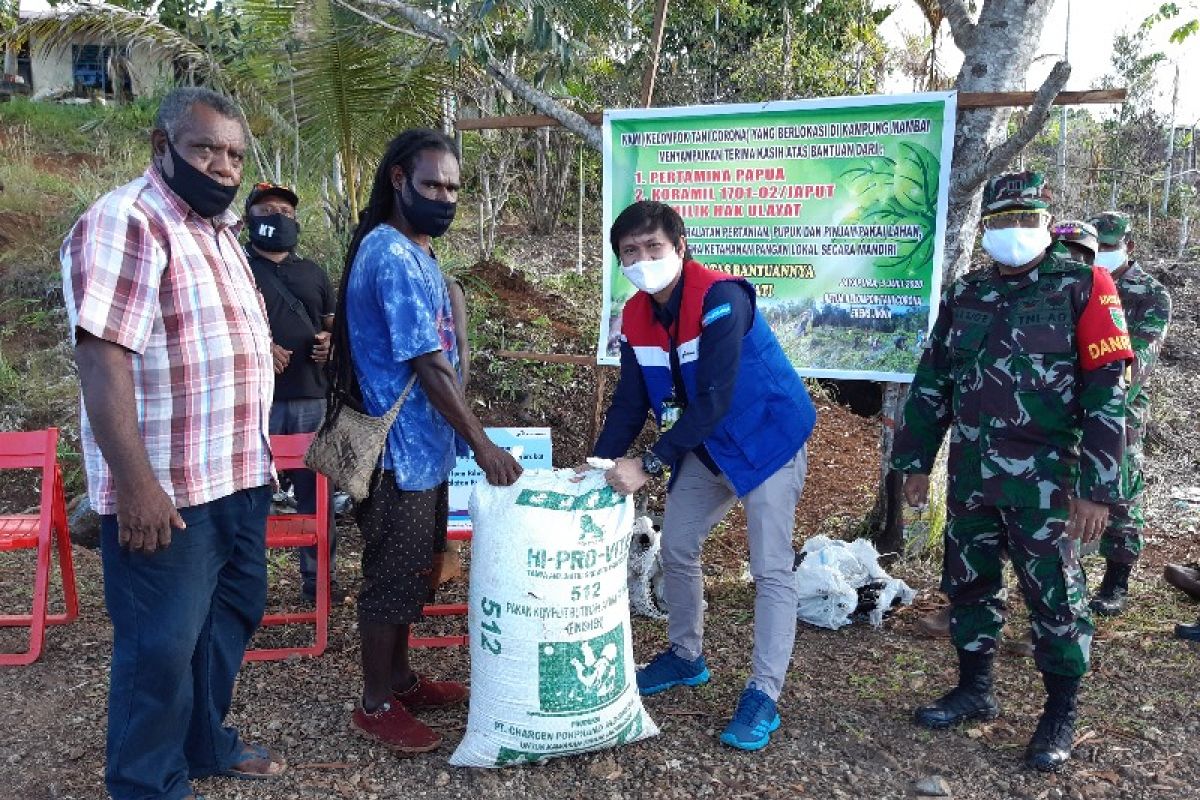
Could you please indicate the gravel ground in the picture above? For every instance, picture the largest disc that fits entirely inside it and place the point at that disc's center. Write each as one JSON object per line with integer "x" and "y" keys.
{"x": 846, "y": 731}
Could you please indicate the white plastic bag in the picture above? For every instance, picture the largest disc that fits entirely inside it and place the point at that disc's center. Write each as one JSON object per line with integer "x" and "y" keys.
{"x": 832, "y": 572}
{"x": 552, "y": 668}
{"x": 825, "y": 598}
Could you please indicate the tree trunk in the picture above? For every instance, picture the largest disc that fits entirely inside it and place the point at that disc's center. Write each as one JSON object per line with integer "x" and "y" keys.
{"x": 549, "y": 179}
{"x": 888, "y": 521}
{"x": 788, "y": 45}
{"x": 997, "y": 52}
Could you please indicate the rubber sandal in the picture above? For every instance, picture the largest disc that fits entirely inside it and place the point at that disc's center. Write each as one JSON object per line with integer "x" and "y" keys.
{"x": 251, "y": 752}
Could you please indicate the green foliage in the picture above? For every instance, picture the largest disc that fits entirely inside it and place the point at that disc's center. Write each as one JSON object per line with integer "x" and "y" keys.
{"x": 901, "y": 191}
{"x": 547, "y": 42}
{"x": 743, "y": 51}
{"x": 356, "y": 86}
{"x": 1115, "y": 157}
{"x": 1187, "y": 23}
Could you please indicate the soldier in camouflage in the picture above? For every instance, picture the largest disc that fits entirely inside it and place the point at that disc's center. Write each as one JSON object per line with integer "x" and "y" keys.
{"x": 1025, "y": 368}
{"x": 1147, "y": 313}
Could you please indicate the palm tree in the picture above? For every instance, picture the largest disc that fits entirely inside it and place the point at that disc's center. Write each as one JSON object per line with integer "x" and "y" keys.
{"x": 353, "y": 86}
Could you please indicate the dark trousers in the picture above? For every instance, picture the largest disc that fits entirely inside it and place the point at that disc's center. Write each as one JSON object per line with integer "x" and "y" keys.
{"x": 304, "y": 416}
{"x": 182, "y": 618}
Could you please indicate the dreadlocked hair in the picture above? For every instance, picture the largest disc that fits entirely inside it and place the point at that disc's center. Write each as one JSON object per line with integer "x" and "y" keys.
{"x": 403, "y": 151}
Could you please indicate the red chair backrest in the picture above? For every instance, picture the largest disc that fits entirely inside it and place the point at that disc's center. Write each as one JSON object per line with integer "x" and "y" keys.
{"x": 35, "y": 449}
{"x": 288, "y": 450}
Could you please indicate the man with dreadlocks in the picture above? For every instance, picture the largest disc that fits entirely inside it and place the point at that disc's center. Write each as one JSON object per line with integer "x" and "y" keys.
{"x": 394, "y": 330}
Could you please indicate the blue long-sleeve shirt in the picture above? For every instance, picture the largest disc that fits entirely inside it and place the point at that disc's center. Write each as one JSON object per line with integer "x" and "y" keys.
{"x": 720, "y": 352}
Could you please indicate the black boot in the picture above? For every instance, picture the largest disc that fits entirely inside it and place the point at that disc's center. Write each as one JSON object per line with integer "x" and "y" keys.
{"x": 971, "y": 699}
{"x": 1110, "y": 597}
{"x": 1189, "y": 632}
{"x": 1051, "y": 744}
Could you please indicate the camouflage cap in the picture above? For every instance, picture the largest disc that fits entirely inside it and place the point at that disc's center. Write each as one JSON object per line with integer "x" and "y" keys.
{"x": 1077, "y": 232}
{"x": 1112, "y": 227}
{"x": 1016, "y": 191}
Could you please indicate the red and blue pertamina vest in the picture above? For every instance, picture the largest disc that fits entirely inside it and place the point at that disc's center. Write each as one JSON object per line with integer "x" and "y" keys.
{"x": 771, "y": 415}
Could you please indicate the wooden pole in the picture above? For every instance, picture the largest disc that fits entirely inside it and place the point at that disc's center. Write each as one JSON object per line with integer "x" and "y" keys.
{"x": 1003, "y": 99}
{"x": 549, "y": 358}
{"x": 600, "y": 391}
{"x": 965, "y": 100}
{"x": 660, "y": 18}
{"x": 517, "y": 121}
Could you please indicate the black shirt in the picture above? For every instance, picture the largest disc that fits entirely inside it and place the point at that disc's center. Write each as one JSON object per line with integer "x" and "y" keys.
{"x": 295, "y": 328}
{"x": 717, "y": 364}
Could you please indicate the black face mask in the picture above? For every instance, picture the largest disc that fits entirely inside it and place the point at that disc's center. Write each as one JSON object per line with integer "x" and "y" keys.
{"x": 430, "y": 217}
{"x": 207, "y": 197}
{"x": 274, "y": 233}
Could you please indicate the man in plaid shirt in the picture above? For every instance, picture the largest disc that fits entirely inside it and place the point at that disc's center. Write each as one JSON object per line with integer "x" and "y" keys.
{"x": 174, "y": 358}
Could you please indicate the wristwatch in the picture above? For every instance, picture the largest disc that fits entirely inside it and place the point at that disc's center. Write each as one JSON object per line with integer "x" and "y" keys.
{"x": 652, "y": 464}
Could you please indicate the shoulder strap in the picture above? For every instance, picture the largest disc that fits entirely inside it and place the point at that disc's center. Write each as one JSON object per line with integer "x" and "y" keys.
{"x": 390, "y": 416}
{"x": 289, "y": 299}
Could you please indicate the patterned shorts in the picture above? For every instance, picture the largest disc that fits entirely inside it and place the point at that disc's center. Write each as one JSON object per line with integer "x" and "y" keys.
{"x": 402, "y": 533}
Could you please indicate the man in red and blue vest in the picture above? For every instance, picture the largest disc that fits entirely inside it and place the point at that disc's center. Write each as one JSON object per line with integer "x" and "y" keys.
{"x": 733, "y": 419}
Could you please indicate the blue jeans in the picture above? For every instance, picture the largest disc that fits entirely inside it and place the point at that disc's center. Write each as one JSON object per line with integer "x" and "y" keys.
{"x": 181, "y": 620}
{"x": 304, "y": 416}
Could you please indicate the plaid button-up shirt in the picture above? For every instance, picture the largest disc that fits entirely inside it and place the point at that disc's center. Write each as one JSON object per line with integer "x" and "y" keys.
{"x": 143, "y": 270}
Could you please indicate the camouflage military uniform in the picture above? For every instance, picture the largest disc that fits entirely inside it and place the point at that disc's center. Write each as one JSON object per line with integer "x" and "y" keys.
{"x": 1147, "y": 313}
{"x": 1029, "y": 428}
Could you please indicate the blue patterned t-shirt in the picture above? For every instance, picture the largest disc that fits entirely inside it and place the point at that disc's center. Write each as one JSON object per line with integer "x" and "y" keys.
{"x": 397, "y": 308}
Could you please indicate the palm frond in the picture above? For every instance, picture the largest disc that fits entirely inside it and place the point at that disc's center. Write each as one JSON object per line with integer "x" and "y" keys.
{"x": 354, "y": 88}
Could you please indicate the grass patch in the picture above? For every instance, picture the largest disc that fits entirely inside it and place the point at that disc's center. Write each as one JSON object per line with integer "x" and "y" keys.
{"x": 52, "y": 127}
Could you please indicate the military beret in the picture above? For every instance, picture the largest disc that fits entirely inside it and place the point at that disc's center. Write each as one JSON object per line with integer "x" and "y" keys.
{"x": 1112, "y": 227}
{"x": 1016, "y": 191}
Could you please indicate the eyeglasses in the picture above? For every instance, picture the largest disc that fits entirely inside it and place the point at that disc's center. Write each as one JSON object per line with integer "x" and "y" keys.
{"x": 1017, "y": 218}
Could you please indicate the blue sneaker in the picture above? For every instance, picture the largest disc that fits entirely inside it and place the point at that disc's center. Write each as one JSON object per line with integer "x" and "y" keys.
{"x": 753, "y": 723}
{"x": 668, "y": 670}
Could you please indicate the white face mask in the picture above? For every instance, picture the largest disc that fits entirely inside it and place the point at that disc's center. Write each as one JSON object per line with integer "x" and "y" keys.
{"x": 1112, "y": 259}
{"x": 654, "y": 276}
{"x": 1015, "y": 247}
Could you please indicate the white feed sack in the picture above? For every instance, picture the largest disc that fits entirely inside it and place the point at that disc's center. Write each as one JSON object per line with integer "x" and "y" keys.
{"x": 552, "y": 669}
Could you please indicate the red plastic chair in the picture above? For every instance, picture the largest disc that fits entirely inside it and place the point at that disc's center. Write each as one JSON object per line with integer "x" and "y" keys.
{"x": 300, "y": 530}
{"x": 41, "y": 532}
{"x": 444, "y": 609}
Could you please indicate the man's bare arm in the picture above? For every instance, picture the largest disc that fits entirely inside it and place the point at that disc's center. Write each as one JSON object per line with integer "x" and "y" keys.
{"x": 145, "y": 514}
{"x": 440, "y": 384}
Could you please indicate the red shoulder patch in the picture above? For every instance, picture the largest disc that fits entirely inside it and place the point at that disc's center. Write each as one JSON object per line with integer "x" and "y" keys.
{"x": 1101, "y": 332}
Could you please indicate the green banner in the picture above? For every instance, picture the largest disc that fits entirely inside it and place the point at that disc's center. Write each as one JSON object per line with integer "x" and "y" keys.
{"x": 835, "y": 209}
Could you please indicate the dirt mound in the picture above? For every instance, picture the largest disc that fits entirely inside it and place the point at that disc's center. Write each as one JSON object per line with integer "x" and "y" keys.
{"x": 519, "y": 299}
{"x": 66, "y": 163}
{"x": 15, "y": 226}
